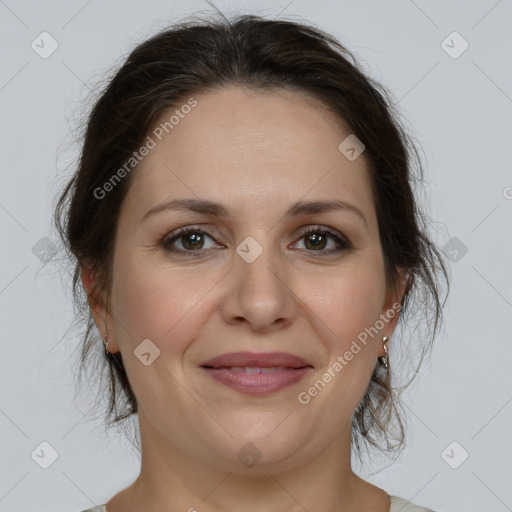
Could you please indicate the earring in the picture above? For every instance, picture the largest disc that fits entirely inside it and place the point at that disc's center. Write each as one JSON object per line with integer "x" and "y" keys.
{"x": 105, "y": 342}
{"x": 385, "y": 359}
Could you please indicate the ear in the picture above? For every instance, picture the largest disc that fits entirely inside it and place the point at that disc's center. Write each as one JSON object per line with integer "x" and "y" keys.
{"x": 97, "y": 305}
{"x": 393, "y": 301}
{"x": 96, "y": 302}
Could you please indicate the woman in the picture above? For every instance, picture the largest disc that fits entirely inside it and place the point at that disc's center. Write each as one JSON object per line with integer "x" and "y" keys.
{"x": 243, "y": 225}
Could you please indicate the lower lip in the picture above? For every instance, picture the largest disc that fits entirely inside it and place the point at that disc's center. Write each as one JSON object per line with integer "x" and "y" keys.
{"x": 258, "y": 383}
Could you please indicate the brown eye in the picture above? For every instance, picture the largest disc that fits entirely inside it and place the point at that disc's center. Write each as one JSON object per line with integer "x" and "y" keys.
{"x": 317, "y": 239}
{"x": 191, "y": 240}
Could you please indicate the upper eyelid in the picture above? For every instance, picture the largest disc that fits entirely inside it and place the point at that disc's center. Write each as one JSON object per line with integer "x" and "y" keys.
{"x": 179, "y": 232}
{"x": 201, "y": 228}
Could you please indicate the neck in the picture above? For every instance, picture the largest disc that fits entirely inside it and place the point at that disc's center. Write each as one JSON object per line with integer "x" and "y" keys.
{"x": 172, "y": 480}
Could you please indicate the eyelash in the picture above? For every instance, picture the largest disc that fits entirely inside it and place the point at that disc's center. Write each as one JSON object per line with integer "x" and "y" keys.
{"x": 169, "y": 239}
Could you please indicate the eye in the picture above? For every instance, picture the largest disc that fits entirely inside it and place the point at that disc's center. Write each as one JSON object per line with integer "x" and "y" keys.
{"x": 191, "y": 240}
{"x": 316, "y": 239}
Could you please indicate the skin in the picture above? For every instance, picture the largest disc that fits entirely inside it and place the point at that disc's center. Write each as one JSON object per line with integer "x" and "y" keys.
{"x": 256, "y": 153}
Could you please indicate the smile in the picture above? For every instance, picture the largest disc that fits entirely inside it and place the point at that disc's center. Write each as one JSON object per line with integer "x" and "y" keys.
{"x": 257, "y": 373}
{"x": 258, "y": 381}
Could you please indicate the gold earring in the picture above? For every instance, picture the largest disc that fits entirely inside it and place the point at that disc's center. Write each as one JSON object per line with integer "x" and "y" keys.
{"x": 105, "y": 342}
{"x": 385, "y": 359}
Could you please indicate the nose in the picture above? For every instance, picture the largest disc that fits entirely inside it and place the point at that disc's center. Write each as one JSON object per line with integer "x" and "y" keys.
{"x": 260, "y": 293}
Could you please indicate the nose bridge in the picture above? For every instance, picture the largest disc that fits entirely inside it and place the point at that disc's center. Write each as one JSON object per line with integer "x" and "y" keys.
{"x": 258, "y": 261}
{"x": 258, "y": 292}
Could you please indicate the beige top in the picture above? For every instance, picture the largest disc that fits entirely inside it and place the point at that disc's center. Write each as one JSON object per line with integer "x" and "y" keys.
{"x": 397, "y": 505}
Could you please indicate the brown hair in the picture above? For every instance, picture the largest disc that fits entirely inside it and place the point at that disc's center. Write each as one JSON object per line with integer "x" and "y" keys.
{"x": 193, "y": 57}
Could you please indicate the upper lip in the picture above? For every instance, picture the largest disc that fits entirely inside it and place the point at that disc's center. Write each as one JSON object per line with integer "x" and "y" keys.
{"x": 256, "y": 359}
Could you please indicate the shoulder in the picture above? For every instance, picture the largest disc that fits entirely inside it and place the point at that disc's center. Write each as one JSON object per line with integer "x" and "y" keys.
{"x": 401, "y": 505}
{"x": 397, "y": 505}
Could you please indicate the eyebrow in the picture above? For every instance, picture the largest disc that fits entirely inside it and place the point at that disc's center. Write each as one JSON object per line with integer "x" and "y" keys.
{"x": 207, "y": 207}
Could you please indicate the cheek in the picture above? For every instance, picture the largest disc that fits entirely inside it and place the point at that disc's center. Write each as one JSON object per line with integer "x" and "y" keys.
{"x": 349, "y": 307}
{"x": 352, "y": 302}
{"x": 151, "y": 302}
{"x": 161, "y": 305}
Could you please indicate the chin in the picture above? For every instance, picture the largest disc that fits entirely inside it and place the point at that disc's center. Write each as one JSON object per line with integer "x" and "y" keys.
{"x": 262, "y": 449}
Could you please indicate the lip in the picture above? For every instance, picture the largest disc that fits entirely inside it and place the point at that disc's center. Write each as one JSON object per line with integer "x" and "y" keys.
{"x": 258, "y": 359}
{"x": 290, "y": 369}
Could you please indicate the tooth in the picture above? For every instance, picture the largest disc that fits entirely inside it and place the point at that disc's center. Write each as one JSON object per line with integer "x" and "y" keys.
{"x": 254, "y": 369}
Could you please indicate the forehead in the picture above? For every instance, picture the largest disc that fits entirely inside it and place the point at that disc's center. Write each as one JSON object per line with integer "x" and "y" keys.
{"x": 258, "y": 145}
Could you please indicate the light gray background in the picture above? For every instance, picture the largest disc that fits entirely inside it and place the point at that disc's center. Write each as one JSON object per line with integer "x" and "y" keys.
{"x": 461, "y": 113}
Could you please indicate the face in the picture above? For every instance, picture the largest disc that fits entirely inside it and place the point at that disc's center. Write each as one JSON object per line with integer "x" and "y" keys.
{"x": 253, "y": 275}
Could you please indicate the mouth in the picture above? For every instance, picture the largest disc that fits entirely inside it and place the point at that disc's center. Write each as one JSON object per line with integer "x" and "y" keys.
{"x": 257, "y": 373}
